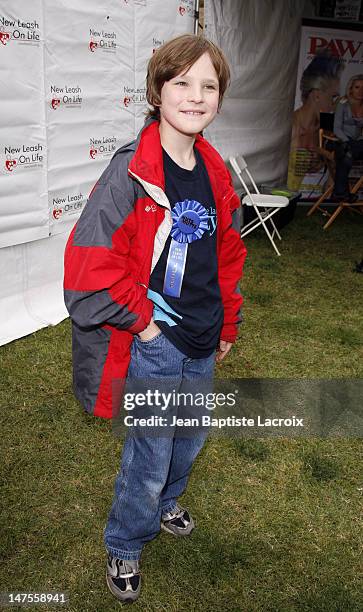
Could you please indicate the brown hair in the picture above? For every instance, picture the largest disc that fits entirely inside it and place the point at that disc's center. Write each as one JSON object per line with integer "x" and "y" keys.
{"x": 177, "y": 56}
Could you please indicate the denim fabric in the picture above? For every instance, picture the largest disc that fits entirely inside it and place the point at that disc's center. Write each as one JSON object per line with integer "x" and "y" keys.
{"x": 345, "y": 154}
{"x": 154, "y": 470}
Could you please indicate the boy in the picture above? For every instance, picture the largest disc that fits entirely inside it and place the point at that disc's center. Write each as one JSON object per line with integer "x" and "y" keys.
{"x": 151, "y": 284}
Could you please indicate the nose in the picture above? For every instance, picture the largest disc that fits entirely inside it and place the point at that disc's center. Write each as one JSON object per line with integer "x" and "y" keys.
{"x": 196, "y": 93}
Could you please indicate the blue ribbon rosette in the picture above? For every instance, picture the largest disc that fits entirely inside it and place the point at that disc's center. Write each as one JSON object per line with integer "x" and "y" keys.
{"x": 190, "y": 221}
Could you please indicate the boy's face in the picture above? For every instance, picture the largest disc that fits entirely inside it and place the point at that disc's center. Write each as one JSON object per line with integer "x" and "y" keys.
{"x": 189, "y": 101}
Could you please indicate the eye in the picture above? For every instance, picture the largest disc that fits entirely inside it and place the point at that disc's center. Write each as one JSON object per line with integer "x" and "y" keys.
{"x": 182, "y": 83}
{"x": 211, "y": 87}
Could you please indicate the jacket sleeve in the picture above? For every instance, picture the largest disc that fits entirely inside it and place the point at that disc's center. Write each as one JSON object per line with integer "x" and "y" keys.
{"x": 339, "y": 123}
{"x": 98, "y": 286}
{"x": 232, "y": 256}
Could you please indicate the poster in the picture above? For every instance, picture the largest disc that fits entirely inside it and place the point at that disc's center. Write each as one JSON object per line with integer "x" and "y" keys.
{"x": 318, "y": 90}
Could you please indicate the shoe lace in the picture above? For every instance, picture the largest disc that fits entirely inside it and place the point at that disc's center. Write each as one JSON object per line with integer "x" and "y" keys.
{"x": 125, "y": 570}
{"x": 173, "y": 514}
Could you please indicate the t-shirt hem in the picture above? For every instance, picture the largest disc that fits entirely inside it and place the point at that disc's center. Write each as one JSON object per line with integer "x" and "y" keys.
{"x": 183, "y": 347}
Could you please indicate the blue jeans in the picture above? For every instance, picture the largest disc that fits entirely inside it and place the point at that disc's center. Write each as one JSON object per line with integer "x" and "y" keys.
{"x": 154, "y": 470}
{"x": 345, "y": 155}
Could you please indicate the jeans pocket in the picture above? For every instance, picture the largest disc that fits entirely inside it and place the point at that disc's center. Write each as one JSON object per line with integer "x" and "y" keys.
{"x": 150, "y": 342}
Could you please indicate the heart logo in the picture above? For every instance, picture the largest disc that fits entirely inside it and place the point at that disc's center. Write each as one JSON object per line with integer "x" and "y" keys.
{"x": 93, "y": 153}
{"x": 57, "y": 213}
{"x": 9, "y": 164}
{"x": 4, "y": 37}
{"x": 181, "y": 10}
{"x": 93, "y": 45}
{"x": 55, "y": 103}
{"x": 127, "y": 101}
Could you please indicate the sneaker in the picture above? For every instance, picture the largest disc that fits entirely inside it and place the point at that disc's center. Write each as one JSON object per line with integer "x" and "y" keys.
{"x": 178, "y": 521}
{"x": 123, "y": 579}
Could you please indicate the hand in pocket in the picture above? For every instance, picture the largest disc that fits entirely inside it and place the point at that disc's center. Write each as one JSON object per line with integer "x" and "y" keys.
{"x": 150, "y": 332}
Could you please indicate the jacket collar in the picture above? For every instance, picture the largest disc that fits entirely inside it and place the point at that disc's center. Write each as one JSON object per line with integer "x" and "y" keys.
{"x": 147, "y": 163}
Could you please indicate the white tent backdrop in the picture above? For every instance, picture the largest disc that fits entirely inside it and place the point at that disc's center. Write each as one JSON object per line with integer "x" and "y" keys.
{"x": 72, "y": 77}
{"x": 261, "y": 41}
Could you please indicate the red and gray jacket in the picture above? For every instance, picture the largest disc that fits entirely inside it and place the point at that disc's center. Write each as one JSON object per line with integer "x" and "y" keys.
{"x": 112, "y": 251}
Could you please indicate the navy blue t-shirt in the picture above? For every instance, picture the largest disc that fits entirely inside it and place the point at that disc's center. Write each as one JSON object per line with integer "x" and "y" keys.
{"x": 192, "y": 321}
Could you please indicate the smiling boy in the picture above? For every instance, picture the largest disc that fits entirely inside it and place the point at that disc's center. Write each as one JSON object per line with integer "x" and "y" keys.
{"x": 151, "y": 283}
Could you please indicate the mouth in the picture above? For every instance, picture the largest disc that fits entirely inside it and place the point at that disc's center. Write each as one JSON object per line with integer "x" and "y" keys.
{"x": 193, "y": 113}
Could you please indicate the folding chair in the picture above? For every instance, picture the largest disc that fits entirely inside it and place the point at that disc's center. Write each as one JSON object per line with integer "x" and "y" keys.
{"x": 265, "y": 205}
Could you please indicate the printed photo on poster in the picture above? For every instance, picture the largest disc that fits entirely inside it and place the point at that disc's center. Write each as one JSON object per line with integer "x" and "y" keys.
{"x": 329, "y": 58}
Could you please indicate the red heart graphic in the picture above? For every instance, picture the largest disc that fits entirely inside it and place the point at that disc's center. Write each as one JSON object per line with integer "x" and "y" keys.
{"x": 57, "y": 212}
{"x": 93, "y": 46}
{"x": 9, "y": 164}
{"x": 4, "y": 37}
{"x": 127, "y": 101}
{"x": 181, "y": 10}
{"x": 55, "y": 103}
{"x": 93, "y": 153}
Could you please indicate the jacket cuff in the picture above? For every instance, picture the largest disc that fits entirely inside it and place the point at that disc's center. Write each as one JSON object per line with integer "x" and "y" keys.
{"x": 229, "y": 332}
{"x": 144, "y": 318}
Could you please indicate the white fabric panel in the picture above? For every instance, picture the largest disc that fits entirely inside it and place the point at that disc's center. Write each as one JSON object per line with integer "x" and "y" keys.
{"x": 72, "y": 76}
{"x": 261, "y": 42}
{"x": 32, "y": 275}
{"x": 86, "y": 121}
{"x": 23, "y": 199}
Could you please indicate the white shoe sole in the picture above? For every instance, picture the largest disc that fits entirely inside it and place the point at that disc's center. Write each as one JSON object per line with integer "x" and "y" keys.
{"x": 187, "y": 531}
{"x": 130, "y": 596}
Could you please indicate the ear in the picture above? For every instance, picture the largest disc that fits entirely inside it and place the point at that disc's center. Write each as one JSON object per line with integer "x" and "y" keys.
{"x": 156, "y": 102}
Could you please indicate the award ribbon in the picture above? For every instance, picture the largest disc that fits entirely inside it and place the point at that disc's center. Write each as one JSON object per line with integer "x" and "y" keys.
{"x": 190, "y": 221}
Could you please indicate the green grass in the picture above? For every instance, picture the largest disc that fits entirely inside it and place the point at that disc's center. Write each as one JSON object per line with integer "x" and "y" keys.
{"x": 278, "y": 519}
{"x": 303, "y": 310}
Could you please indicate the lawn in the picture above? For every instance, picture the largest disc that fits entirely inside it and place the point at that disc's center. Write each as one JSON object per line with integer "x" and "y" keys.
{"x": 277, "y": 519}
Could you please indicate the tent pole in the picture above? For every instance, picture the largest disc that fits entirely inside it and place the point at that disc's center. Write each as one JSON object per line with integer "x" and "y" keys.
{"x": 196, "y": 17}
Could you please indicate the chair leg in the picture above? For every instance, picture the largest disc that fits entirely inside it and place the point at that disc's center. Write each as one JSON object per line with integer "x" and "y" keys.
{"x": 275, "y": 230}
{"x": 323, "y": 197}
{"x": 267, "y": 231}
{"x": 333, "y": 217}
{"x": 356, "y": 209}
{"x": 271, "y": 240}
{"x": 250, "y": 227}
{"x": 357, "y": 185}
